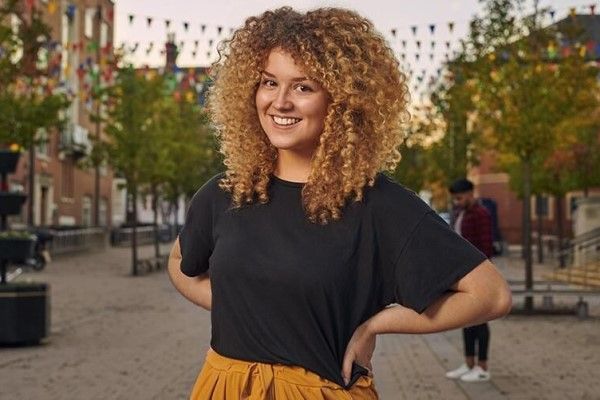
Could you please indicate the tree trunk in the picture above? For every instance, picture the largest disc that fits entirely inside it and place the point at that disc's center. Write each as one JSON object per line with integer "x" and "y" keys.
{"x": 527, "y": 232}
{"x": 540, "y": 242}
{"x": 134, "y": 255}
{"x": 155, "y": 211}
{"x": 559, "y": 230}
{"x": 31, "y": 191}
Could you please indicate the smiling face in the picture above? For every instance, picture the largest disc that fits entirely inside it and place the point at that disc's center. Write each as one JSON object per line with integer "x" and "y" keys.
{"x": 290, "y": 106}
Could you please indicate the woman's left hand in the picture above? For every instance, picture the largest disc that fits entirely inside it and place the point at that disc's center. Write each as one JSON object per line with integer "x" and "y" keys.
{"x": 359, "y": 350}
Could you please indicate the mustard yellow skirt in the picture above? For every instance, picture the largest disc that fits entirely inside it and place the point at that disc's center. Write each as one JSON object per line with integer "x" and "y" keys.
{"x": 223, "y": 378}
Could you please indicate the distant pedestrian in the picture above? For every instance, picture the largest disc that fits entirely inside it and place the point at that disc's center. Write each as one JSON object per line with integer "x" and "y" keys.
{"x": 473, "y": 222}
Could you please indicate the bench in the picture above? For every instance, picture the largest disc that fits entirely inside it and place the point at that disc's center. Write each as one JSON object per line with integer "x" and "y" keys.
{"x": 548, "y": 293}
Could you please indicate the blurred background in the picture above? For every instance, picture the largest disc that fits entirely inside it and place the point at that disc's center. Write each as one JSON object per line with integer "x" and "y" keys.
{"x": 104, "y": 138}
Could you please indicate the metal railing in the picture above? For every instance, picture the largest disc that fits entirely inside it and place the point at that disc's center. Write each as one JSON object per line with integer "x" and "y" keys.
{"x": 145, "y": 235}
{"x": 76, "y": 240}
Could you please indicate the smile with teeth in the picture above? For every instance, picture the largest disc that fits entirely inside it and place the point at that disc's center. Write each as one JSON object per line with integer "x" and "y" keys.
{"x": 285, "y": 121}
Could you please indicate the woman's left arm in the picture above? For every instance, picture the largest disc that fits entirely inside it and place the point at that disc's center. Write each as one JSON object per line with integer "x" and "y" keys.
{"x": 481, "y": 295}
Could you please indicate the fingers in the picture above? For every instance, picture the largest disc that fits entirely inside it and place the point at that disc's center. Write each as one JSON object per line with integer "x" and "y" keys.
{"x": 347, "y": 367}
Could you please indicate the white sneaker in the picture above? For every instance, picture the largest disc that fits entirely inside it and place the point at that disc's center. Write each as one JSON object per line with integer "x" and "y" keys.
{"x": 458, "y": 372}
{"x": 477, "y": 374}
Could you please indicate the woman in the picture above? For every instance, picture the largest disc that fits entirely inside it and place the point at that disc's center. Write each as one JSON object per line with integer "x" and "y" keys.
{"x": 301, "y": 245}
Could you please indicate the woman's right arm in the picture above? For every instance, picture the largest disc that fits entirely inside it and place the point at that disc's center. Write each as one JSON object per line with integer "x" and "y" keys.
{"x": 195, "y": 289}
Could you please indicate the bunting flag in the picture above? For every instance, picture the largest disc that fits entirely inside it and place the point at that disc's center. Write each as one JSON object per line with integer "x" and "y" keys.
{"x": 202, "y": 28}
{"x": 167, "y": 23}
{"x": 210, "y": 43}
{"x": 131, "y": 17}
{"x": 404, "y": 44}
{"x": 432, "y": 28}
{"x": 196, "y": 42}
{"x": 432, "y": 44}
{"x": 219, "y": 29}
{"x": 186, "y": 26}
{"x": 431, "y": 56}
{"x": 414, "y": 29}
{"x": 418, "y": 43}
{"x": 149, "y": 21}
{"x": 552, "y": 12}
{"x": 194, "y": 54}
{"x": 52, "y": 7}
{"x": 393, "y": 32}
{"x": 451, "y": 27}
{"x": 71, "y": 9}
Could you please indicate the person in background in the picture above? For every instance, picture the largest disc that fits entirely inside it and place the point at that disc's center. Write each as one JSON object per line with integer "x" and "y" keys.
{"x": 473, "y": 222}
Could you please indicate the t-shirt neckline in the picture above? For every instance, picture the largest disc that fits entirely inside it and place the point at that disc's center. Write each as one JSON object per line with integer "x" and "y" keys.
{"x": 287, "y": 183}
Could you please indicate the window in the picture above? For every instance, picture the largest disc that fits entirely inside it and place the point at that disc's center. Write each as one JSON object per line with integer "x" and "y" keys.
{"x": 90, "y": 14}
{"x": 86, "y": 211}
{"x": 67, "y": 178}
{"x": 43, "y": 146}
{"x": 103, "y": 212}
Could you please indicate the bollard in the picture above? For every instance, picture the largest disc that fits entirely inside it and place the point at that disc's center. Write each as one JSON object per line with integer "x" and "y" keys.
{"x": 582, "y": 309}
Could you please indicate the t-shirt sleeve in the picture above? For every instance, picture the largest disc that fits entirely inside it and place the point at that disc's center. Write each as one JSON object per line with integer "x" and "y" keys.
{"x": 432, "y": 260}
{"x": 195, "y": 238}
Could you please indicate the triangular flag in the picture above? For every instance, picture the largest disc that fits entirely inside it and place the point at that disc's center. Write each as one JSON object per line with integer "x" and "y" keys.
{"x": 210, "y": 43}
{"x": 194, "y": 54}
{"x": 167, "y": 23}
{"x": 196, "y": 42}
{"x": 418, "y": 42}
{"x": 432, "y": 28}
{"x": 451, "y": 26}
{"x": 52, "y": 7}
{"x": 414, "y": 29}
{"x": 393, "y": 32}
{"x": 202, "y": 28}
{"x": 404, "y": 43}
{"x": 186, "y": 25}
{"x": 131, "y": 17}
{"x": 417, "y": 55}
{"x": 433, "y": 44}
{"x": 219, "y": 29}
{"x": 448, "y": 45}
{"x": 149, "y": 21}
{"x": 552, "y": 12}
{"x": 431, "y": 56}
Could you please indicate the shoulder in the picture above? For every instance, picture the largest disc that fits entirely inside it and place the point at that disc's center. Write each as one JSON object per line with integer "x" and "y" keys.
{"x": 209, "y": 192}
{"x": 386, "y": 192}
{"x": 480, "y": 210}
{"x": 391, "y": 203}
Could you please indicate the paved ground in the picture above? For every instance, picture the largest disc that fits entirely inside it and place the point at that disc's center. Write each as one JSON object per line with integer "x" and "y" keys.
{"x": 114, "y": 336}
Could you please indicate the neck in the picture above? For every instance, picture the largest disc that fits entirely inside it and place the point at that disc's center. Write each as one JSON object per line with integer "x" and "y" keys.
{"x": 292, "y": 166}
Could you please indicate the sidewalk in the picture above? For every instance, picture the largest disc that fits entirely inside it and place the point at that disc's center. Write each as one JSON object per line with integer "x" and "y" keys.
{"x": 117, "y": 337}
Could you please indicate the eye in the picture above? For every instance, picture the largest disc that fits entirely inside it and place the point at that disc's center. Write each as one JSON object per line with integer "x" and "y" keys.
{"x": 268, "y": 82}
{"x": 304, "y": 88}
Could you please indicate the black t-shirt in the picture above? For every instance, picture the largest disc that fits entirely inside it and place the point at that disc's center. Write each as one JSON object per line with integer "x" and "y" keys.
{"x": 287, "y": 291}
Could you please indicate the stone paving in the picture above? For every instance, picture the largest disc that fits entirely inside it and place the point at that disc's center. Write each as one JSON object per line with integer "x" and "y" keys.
{"x": 114, "y": 336}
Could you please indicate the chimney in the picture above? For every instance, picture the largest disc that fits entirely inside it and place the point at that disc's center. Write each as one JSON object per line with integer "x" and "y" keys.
{"x": 171, "y": 52}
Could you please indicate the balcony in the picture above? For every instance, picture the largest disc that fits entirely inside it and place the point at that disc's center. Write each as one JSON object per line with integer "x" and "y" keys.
{"x": 74, "y": 141}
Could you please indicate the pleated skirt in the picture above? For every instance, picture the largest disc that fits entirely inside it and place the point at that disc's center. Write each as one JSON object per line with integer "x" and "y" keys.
{"x": 223, "y": 378}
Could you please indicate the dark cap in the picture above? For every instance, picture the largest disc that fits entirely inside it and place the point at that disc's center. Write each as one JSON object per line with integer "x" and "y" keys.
{"x": 461, "y": 186}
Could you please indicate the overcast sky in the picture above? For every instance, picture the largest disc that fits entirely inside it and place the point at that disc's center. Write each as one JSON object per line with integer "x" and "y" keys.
{"x": 400, "y": 15}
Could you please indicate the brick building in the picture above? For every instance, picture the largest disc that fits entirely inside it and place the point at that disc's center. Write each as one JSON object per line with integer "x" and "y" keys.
{"x": 64, "y": 190}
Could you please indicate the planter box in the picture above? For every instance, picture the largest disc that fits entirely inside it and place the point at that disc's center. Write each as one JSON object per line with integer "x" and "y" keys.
{"x": 16, "y": 249}
{"x": 24, "y": 313}
{"x": 8, "y": 161}
{"x": 11, "y": 203}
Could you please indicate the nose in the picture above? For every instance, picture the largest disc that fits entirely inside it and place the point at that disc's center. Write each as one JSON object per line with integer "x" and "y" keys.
{"x": 282, "y": 100}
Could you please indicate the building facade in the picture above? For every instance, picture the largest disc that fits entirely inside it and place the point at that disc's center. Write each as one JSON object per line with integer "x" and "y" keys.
{"x": 66, "y": 192}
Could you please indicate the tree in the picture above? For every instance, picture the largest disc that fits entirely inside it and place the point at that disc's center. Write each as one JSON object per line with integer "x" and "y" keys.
{"x": 132, "y": 106}
{"x": 27, "y": 102}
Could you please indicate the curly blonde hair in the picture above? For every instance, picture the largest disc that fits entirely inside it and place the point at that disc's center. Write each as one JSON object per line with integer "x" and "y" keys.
{"x": 362, "y": 131}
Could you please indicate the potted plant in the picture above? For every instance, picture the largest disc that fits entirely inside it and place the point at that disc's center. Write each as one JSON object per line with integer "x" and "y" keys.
{"x": 11, "y": 202}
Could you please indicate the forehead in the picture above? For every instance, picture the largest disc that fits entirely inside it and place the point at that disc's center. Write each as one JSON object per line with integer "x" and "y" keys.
{"x": 282, "y": 64}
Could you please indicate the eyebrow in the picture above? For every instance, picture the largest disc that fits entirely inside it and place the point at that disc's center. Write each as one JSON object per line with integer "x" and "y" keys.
{"x": 298, "y": 79}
